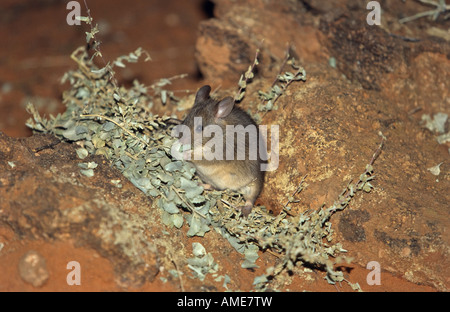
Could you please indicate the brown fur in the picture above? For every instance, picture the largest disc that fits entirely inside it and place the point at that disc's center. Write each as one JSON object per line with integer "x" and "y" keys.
{"x": 244, "y": 176}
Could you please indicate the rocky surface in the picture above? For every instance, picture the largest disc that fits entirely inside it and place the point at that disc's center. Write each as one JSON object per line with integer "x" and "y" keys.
{"x": 329, "y": 125}
{"x": 48, "y": 198}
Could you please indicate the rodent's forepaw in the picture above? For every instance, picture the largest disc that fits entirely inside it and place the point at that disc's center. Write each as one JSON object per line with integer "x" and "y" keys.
{"x": 206, "y": 186}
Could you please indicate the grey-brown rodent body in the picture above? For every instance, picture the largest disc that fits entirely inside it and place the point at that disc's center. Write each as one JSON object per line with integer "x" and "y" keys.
{"x": 242, "y": 175}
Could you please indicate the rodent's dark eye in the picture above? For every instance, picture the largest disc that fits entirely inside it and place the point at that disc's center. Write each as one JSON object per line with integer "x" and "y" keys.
{"x": 199, "y": 128}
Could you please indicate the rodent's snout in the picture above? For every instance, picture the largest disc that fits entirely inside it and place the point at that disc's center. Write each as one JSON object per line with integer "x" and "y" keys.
{"x": 182, "y": 133}
{"x": 181, "y": 149}
{"x": 177, "y": 131}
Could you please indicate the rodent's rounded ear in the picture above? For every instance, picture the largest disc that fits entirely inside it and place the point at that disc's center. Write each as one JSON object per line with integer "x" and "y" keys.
{"x": 225, "y": 107}
{"x": 203, "y": 94}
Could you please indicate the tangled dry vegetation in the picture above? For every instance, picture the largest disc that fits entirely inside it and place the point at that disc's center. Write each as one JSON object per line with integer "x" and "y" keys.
{"x": 118, "y": 123}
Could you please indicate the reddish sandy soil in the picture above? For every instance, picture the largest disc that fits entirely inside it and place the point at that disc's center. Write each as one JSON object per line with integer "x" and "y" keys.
{"x": 37, "y": 46}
